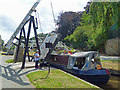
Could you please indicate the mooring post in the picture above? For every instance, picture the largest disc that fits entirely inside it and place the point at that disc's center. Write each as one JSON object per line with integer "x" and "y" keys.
{"x": 49, "y": 61}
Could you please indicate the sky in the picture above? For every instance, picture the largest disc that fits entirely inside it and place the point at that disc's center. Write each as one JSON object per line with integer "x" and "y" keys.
{"x": 12, "y": 13}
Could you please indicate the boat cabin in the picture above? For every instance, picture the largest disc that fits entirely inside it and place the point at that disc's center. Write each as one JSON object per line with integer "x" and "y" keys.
{"x": 84, "y": 61}
{"x": 79, "y": 60}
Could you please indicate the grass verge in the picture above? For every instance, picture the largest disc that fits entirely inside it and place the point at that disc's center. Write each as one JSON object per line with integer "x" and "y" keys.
{"x": 9, "y": 61}
{"x": 111, "y": 64}
{"x": 110, "y": 60}
{"x": 2, "y": 53}
{"x": 56, "y": 79}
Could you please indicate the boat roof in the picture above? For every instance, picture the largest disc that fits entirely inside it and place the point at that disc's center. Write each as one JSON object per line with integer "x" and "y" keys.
{"x": 83, "y": 54}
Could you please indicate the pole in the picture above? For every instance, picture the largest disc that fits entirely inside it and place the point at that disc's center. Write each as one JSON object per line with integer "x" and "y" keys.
{"x": 26, "y": 45}
{"x": 35, "y": 32}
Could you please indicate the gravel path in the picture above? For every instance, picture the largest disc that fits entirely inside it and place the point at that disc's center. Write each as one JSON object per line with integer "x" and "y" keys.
{"x": 12, "y": 77}
{"x": 109, "y": 57}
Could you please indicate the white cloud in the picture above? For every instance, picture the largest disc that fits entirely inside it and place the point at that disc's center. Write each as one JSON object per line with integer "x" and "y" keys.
{"x": 17, "y": 9}
{"x": 14, "y": 9}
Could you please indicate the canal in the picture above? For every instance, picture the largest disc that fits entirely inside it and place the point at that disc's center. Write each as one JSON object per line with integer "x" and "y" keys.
{"x": 113, "y": 83}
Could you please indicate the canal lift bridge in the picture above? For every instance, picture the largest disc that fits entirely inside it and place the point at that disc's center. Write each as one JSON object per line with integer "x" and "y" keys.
{"x": 45, "y": 47}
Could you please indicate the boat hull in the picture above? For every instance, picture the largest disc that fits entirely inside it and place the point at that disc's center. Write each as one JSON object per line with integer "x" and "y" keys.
{"x": 94, "y": 78}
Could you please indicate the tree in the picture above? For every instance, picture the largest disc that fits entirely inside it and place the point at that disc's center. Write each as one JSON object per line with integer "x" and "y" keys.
{"x": 39, "y": 35}
{"x": 67, "y": 22}
{"x": 103, "y": 16}
{"x": 96, "y": 22}
{"x": 79, "y": 38}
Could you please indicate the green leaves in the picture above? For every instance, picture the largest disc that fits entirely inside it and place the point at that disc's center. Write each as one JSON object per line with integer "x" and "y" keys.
{"x": 78, "y": 38}
{"x": 95, "y": 25}
{"x": 103, "y": 16}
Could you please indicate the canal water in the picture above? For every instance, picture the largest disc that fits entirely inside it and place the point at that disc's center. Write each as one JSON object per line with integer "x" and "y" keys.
{"x": 113, "y": 83}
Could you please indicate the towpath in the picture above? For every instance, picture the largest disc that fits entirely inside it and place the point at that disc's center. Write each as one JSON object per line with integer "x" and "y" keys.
{"x": 11, "y": 76}
{"x": 109, "y": 57}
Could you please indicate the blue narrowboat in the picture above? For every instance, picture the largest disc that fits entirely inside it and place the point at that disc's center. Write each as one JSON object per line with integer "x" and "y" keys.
{"x": 85, "y": 65}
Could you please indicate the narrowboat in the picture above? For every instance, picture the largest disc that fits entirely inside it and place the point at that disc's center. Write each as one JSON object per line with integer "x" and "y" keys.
{"x": 85, "y": 65}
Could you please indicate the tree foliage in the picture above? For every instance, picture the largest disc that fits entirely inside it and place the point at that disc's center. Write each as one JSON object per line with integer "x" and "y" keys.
{"x": 103, "y": 16}
{"x": 67, "y": 22}
{"x": 96, "y": 22}
{"x": 39, "y": 35}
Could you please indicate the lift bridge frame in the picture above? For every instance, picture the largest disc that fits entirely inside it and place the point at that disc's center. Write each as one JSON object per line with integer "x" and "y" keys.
{"x": 35, "y": 27}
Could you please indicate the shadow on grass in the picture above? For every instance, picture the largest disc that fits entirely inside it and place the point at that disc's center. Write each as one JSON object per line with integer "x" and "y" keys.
{"x": 46, "y": 76}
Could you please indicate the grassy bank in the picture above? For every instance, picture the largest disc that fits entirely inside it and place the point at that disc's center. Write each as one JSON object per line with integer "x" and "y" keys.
{"x": 111, "y": 64}
{"x": 9, "y": 61}
{"x": 56, "y": 79}
{"x": 2, "y": 53}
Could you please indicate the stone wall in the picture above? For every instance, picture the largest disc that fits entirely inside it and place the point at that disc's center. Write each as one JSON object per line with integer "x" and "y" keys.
{"x": 20, "y": 54}
{"x": 112, "y": 47}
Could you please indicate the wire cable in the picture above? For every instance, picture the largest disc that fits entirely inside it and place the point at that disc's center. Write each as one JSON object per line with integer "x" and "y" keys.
{"x": 53, "y": 14}
{"x": 37, "y": 15}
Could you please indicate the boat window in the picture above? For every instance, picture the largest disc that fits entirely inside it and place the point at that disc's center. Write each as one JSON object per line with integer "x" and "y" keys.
{"x": 71, "y": 62}
{"x": 95, "y": 62}
{"x": 92, "y": 64}
{"x": 79, "y": 63}
{"x": 98, "y": 64}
